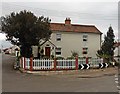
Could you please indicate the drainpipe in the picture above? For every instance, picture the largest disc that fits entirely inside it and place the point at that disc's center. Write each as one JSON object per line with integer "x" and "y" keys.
{"x": 100, "y": 40}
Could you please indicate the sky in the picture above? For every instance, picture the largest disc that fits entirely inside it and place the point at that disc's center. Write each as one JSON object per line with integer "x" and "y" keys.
{"x": 101, "y": 13}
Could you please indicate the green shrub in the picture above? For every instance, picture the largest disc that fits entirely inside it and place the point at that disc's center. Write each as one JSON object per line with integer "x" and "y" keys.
{"x": 52, "y": 56}
{"x": 74, "y": 54}
{"x": 70, "y": 57}
{"x": 60, "y": 57}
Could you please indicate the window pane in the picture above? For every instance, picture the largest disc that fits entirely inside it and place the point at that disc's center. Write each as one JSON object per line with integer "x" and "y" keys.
{"x": 58, "y": 36}
{"x": 58, "y": 39}
{"x": 85, "y": 50}
{"x": 85, "y": 36}
{"x": 84, "y": 39}
{"x": 58, "y": 51}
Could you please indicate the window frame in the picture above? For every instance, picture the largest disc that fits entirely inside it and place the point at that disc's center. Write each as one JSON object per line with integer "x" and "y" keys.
{"x": 58, "y": 50}
{"x": 58, "y": 36}
{"x": 85, "y": 37}
{"x": 85, "y": 50}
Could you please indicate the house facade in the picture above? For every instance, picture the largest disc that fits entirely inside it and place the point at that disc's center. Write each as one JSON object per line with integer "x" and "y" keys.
{"x": 117, "y": 49}
{"x": 67, "y": 38}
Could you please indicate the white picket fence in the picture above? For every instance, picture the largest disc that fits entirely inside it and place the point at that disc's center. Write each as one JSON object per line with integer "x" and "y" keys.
{"x": 42, "y": 64}
{"x": 82, "y": 61}
{"x": 94, "y": 62}
{"x": 48, "y": 64}
{"x": 66, "y": 64}
{"x": 27, "y": 63}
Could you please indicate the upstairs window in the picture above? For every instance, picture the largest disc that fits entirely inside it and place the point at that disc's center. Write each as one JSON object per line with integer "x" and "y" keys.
{"x": 58, "y": 37}
{"x": 85, "y": 37}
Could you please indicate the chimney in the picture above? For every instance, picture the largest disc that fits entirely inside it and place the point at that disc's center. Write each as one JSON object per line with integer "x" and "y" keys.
{"x": 67, "y": 21}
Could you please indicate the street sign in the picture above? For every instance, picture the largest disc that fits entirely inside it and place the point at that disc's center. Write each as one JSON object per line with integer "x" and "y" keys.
{"x": 84, "y": 66}
{"x": 103, "y": 65}
{"x": 88, "y": 66}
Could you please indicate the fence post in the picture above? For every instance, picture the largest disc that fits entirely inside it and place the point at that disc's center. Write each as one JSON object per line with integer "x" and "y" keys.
{"x": 31, "y": 63}
{"x": 86, "y": 60}
{"x": 24, "y": 63}
{"x": 21, "y": 62}
{"x": 76, "y": 62}
{"x": 55, "y": 63}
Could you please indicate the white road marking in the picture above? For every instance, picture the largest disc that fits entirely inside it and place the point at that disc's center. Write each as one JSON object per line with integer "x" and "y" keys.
{"x": 117, "y": 82}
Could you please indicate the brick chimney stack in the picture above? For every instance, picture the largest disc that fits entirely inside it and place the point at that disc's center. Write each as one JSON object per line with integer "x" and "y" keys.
{"x": 67, "y": 21}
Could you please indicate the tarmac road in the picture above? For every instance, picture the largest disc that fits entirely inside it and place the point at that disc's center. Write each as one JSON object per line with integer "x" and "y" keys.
{"x": 15, "y": 81}
{"x": 0, "y": 72}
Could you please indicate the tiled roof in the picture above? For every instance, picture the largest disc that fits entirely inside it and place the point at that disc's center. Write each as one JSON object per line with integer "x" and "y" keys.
{"x": 74, "y": 28}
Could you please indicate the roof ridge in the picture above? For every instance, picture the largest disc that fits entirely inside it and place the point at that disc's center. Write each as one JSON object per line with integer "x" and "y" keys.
{"x": 74, "y": 24}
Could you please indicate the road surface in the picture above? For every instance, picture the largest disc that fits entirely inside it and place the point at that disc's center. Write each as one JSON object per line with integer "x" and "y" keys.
{"x": 15, "y": 81}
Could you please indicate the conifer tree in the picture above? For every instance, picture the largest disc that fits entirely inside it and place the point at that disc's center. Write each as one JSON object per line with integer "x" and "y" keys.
{"x": 107, "y": 48}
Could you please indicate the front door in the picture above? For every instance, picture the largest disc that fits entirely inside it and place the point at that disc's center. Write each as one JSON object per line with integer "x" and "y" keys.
{"x": 47, "y": 52}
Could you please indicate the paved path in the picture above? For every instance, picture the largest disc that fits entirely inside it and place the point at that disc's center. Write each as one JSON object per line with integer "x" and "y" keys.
{"x": 15, "y": 81}
{"x": 90, "y": 73}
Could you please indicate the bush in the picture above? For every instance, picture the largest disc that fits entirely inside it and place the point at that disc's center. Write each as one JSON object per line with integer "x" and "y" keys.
{"x": 74, "y": 54}
{"x": 52, "y": 56}
{"x": 45, "y": 57}
{"x": 70, "y": 57}
{"x": 81, "y": 57}
{"x": 60, "y": 57}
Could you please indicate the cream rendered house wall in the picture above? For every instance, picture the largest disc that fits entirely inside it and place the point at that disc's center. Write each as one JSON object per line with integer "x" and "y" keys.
{"x": 117, "y": 51}
{"x": 71, "y": 41}
{"x": 94, "y": 41}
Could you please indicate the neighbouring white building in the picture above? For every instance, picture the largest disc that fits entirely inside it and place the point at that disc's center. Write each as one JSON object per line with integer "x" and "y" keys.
{"x": 117, "y": 52}
{"x": 67, "y": 38}
{"x": 117, "y": 49}
{"x": 12, "y": 50}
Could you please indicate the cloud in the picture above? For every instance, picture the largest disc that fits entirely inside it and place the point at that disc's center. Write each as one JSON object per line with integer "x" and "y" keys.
{"x": 5, "y": 44}
{"x": 2, "y": 36}
{"x": 101, "y": 14}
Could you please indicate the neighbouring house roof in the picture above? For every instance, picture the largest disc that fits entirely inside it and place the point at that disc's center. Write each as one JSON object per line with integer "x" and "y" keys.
{"x": 68, "y": 27}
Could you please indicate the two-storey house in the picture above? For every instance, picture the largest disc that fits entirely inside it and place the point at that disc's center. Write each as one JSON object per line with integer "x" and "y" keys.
{"x": 67, "y": 38}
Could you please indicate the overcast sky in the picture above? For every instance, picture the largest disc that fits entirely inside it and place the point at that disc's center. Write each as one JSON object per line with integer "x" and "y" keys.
{"x": 100, "y": 14}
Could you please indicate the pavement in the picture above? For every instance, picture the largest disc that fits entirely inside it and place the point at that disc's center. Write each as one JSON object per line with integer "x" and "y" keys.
{"x": 86, "y": 73}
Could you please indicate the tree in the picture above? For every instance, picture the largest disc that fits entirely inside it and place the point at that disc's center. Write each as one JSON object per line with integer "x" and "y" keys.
{"x": 107, "y": 48}
{"x": 25, "y": 29}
